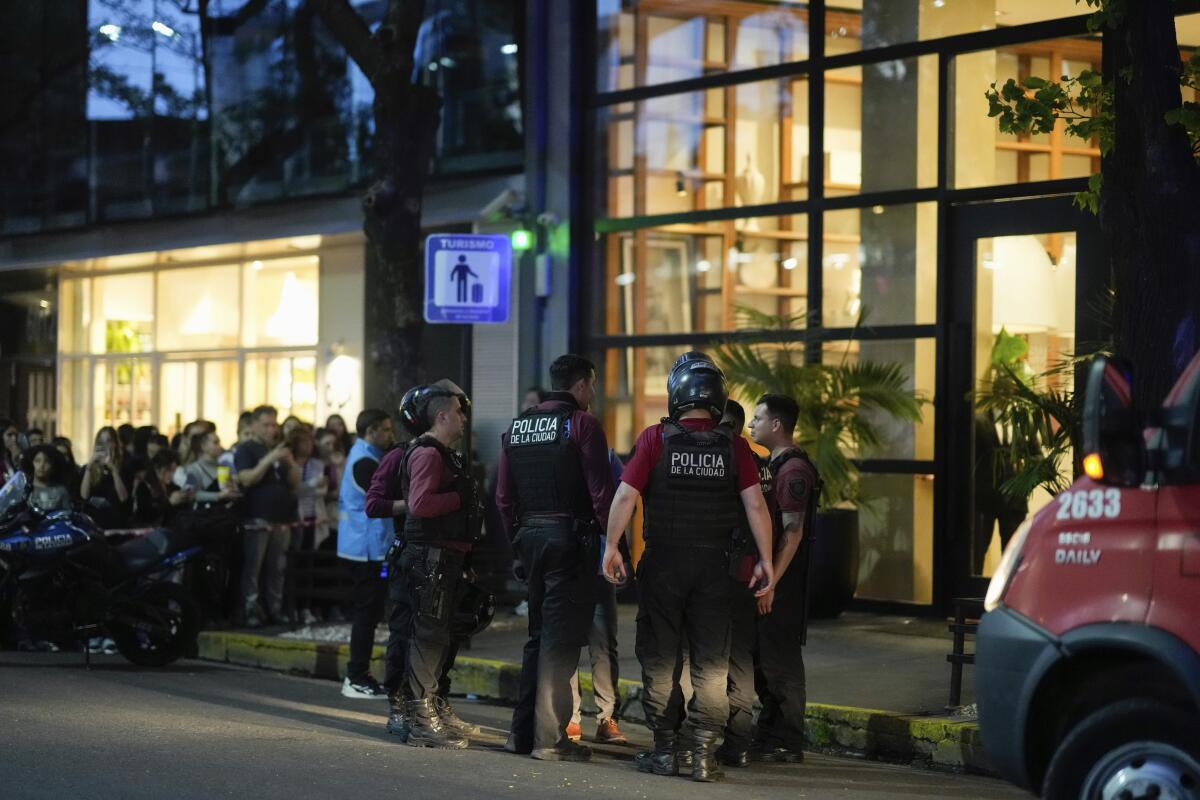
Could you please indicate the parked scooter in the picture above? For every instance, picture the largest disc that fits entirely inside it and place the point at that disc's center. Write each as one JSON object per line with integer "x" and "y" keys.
{"x": 62, "y": 582}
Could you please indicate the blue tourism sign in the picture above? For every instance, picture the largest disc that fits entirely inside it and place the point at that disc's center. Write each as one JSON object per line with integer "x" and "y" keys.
{"x": 467, "y": 278}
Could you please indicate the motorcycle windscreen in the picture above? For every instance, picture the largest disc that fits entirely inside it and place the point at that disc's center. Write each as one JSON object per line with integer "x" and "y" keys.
{"x": 13, "y": 493}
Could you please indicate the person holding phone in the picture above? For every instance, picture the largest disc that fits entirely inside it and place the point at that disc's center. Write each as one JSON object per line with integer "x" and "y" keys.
{"x": 103, "y": 490}
{"x": 267, "y": 471}
{"x": 695, "y": 479}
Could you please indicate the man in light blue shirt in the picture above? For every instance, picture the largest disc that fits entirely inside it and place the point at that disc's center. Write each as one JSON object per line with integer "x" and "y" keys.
{"x": 363, "y": 543}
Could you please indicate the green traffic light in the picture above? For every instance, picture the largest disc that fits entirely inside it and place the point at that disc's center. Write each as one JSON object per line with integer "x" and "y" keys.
{"x": 522, "y": 239}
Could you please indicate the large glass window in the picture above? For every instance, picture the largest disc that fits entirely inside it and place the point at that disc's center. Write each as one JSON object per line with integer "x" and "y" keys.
{"x": 691, "y": 278}
{"x": 165, "y": 344}
{"x": 881, "y": 126}
{"x": 147, "y": 108}
{"x": 896, "y": 538}
{"x": 865, "y": 24}
{"x": 659, "y": 41}
{"x": 742, "y": 146}
{"x": 880, "y": 266}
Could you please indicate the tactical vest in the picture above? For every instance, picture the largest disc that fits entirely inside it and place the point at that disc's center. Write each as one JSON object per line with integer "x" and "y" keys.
{"x": 544, "y": 462}
{"x": 692, "y": 497}
{"x": 463, "y": 525}
{"x": 770, "y": 489}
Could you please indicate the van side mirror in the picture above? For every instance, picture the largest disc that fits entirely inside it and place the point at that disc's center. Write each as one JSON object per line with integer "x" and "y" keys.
{"x": 1113, "y": 443}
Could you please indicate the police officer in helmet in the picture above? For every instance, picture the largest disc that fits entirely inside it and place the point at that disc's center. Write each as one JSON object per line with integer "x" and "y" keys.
{"x": 696, "y": 480}
{"x": 555, "y": 487}
{"x": 443, "y": 523}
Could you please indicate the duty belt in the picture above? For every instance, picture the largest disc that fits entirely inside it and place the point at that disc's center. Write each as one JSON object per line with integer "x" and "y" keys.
{"x": 552, "y": 521}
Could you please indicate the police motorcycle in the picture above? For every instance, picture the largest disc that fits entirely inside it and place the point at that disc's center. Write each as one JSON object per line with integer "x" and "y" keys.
{"x": 61, "y": 581}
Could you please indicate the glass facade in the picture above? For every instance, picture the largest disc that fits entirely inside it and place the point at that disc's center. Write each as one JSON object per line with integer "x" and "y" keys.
{"x": 144, "y": 108}
{"x": 164, "y": 338}
{"x": 712, "y": 204}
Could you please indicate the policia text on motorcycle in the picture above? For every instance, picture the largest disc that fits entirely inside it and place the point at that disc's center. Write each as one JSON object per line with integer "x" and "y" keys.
{"x": 699, "y": 485}
{"x": 555, "y": 486}
{"x": 443, "y": 523}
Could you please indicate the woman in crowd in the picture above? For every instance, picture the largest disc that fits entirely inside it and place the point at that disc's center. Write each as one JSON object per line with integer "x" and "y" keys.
{"x": 331, "y": 452}
{"x": 103, "y": 489}
{"x": 141, "y": 441}
{"x": 204, "y": 473}
{"x": 70, "y": 472}
{"x": 336, "y": 424}
{"x": 10, "y": 450}
{"x": 125, "y": 437}
{"x": 46, "y": 468}
{"x": 156, "y": 498}
{"x": 310, "y": 498}
{"x": 290, "y": 424}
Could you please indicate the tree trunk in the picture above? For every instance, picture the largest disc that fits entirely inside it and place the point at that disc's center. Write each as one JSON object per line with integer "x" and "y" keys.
{"x": 1149, "y": 209}
{"x": 406, "y": 122}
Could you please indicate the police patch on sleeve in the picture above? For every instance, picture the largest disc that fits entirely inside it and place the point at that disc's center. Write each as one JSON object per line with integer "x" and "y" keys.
{"x": 798, "y": 489}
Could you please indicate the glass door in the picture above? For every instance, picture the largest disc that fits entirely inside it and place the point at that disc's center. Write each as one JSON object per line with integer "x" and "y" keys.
{"x": 1022, "y": 275}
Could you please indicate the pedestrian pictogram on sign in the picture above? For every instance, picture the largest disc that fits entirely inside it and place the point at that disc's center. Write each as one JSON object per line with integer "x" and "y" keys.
{"x": 467, "y": 278}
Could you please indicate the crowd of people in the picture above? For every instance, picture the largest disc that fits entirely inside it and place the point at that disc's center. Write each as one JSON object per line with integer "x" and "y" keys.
{"x": 278, "y": 481}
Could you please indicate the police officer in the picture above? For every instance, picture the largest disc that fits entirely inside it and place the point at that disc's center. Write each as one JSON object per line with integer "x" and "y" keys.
{"x": 556, "y": 484}
{"x": 791, "y": 487}
{"x": 695, "y": 480}
{"x": 443, "y": 522}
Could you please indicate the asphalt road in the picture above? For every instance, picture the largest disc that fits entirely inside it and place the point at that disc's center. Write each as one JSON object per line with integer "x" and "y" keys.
{"x": 203, "y": 730}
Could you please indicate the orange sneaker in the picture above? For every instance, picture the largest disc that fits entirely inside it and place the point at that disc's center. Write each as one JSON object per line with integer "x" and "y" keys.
{"x": 574, "y": 731}
{"x": 607, "y": 732}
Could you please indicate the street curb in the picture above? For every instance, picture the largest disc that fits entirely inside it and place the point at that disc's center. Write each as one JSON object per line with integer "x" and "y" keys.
{"x": 933, "y": 742}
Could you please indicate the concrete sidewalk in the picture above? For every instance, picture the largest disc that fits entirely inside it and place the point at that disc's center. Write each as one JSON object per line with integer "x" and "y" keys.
{"x": 877, "y": 684}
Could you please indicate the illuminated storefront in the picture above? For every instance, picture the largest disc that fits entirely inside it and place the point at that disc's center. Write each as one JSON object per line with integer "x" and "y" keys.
{"x": 917, "y": 216}
{"x": 166, "y": 337}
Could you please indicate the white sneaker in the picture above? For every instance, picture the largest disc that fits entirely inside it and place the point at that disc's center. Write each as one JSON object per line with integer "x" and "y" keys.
{"x": 370, "y": 690}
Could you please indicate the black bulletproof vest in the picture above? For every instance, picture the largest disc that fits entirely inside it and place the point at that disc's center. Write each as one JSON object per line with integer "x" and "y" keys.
{"x": 544, "y": 462}
{"x": 773, "y": 467}
{"x": 692, "y": 497}
{"x": 457, "y": 526}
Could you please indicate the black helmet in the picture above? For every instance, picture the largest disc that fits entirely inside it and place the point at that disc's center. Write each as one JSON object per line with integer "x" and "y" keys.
{"x": 474, "y": 611}
{"x": 696, "y": 382}
{"x": 414, "y": 406}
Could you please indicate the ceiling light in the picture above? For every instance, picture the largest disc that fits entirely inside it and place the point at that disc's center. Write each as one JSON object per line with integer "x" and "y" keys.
{"x": 703, "y": 266}
{"x": 877, "y": 210}
{"x": 509, "y": 49}
{"x": 789, "y": 263}
{"x": 939, "y": 3}
{"x": 625, "y": 279}
{"x": 257, "y": 265}
{"x": 112, "y": 32}
{"x": 163, "y": 28}
{"x": 44, "y": 303}
{"x": 446, "y": 61}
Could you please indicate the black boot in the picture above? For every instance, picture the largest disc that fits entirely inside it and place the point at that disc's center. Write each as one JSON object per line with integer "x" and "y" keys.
{"x": 731, "y": 755}
{"x": 704, "y": 757}
{"x": 397, "y": 723}
{"x": 427, "y": 730}
{"x": 452, "y": 720}
{"x": 663, "y": 759}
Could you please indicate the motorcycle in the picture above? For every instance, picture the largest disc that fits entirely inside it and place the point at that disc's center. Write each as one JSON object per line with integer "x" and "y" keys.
{"x": 61, "y": 581}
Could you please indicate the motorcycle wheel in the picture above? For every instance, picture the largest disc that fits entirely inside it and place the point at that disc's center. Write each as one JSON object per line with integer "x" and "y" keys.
{"x": 159, "y": 627}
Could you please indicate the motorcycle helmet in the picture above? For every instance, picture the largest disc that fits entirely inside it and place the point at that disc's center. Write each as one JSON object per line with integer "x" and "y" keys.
{"x": 414, "y": 406}
{"x": 696, "y": 381}
{"x": 474, "y": 612}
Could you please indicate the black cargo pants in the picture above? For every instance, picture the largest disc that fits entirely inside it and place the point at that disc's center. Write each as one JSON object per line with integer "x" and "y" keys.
{"x": 427, "y": 582}
{"x": 399, "y": 616}
{"x": 743, "y": 665}
{"x": 780, "y": 676}
{"x": 561, "y": 568}
{"x": 684, "y": 591}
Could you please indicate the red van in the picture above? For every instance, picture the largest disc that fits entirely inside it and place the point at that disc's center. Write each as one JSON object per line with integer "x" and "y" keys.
{"x": 1088, "y": 658}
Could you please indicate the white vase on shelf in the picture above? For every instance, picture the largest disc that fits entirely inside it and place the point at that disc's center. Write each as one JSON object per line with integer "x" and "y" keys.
{"x": 751, "y": 185}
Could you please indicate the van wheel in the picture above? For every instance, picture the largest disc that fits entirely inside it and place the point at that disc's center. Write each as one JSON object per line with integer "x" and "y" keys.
{"x": 1126, "y": 751}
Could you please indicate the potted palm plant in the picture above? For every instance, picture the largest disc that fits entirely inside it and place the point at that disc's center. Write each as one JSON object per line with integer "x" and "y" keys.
{"x": 841, "y": 406}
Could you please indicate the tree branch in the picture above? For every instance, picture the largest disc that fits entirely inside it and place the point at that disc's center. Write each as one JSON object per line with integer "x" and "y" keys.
{"x": 348, "y": 27}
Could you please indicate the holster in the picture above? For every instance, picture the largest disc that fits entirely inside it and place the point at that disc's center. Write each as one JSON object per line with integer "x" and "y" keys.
{"x": 743, "y": 554}
{"x": 433, "y": 601}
